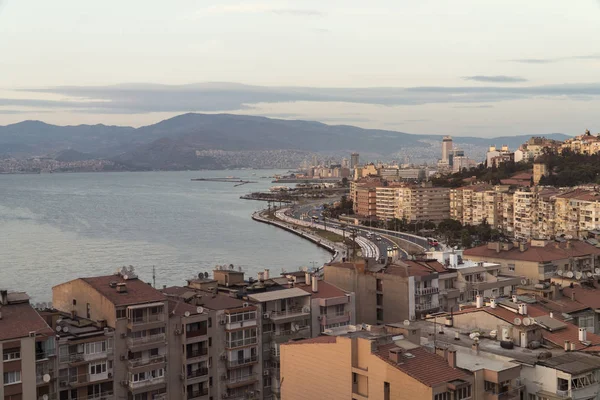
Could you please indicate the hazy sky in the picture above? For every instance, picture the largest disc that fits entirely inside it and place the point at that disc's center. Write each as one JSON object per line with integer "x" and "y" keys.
{"x": 460, "y": 67}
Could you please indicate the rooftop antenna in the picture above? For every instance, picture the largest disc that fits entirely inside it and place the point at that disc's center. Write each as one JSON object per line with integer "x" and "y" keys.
{"x": 154, "y": 276}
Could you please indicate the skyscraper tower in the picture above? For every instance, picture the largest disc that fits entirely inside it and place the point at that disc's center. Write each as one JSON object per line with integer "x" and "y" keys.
{"x": 446, "y": 149}
{"x": 353, "y": 160}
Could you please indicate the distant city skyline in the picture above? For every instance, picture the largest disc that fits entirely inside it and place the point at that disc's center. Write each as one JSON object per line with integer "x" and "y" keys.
{"x": 461, "y": 68}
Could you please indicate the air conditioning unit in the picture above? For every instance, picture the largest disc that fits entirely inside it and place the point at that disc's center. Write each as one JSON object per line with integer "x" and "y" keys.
{"x": 305, "y": 309}
{"x": 266, "y": 316}
{"x": 177, "y": 332}
{"x": 222, "y": 322}
{"x": 110, "y": 375}
{"x": 223, "y": 356}
{"x": 246, "y": 304}
{"x": 266, "y": 372}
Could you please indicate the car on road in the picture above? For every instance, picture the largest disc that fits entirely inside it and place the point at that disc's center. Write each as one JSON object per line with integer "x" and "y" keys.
{"x": 395, "y": 247}
{"x": 390, "y": 248}
{"x": 432, "y": 242}
{"x": 378, "y": 238}
{"x": 369, "y": 236}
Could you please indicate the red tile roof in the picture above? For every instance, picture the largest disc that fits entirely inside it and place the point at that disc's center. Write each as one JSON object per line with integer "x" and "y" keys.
{"x": 218, "y": 301}
{"x": 428, "y": 368}
{"x": 20, "y": 319}
{"x": 551, "y": 252}
{"x": 589, "y": 297}
{"x": 138, "y": 292}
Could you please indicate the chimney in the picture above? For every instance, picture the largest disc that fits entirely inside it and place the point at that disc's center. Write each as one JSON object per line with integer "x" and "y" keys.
{"x": 475, "y": 346}
{"x": 568, "y": 244}
{"x": 523, "y": 309}
{"x": 567, "y": 345}
{"x": 307, "y": 280}
{"x": 522, "y": 246}
{"x": 4, "y": 297}
{"x": 452, "y": 358}
{"x": 493, "y": 303}
{"x": 315, "y": 284}
{"x": 266, "y": 274}
{"x": 479, "y": 301}
{"x": 260, "y": 276}
{"x": 396, "y": 355}
{"x": 514, "y": 298}
{"x": 121, "y": 287}
{"x": 573, "y": 347}
{"x": 551, "y": 314}
{"x": 582, "y": 334}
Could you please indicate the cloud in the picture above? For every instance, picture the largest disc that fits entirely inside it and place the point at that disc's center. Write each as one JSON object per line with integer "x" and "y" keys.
{"x": 297, "y": 12}
{"x": 495, "y": 78}
{"x": 212, "y": 97}
{"x": 557, "y": 59}
{"x": 256, "y": 8}
{"x": 475, "y": 106}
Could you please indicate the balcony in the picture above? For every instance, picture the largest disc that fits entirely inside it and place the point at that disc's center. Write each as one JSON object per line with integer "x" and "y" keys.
{"x": 140, "y": 362}
{"x": 196, "y": 333}
{"x": 143, "y": 340}
{"x": 83, "y": 379}
{"x": 242, "y": 362}
{"x": 512, "y": 394}
{"x": 238, "y": 381}
{"x": 197, "y": 394}
{"x": 76, "y": 358}
{"x": 426, "y": 291}
{"x": 335, "y": 319}
{"x": 146, "y": 383}
{"x": 241, "y": 342}
{"x": 426, "y": 306}
{"x": 199, "y": 373}
{"x": 290, "y": 313}
{"x": 201, "y": 352}
{"x": 148, "y": 321}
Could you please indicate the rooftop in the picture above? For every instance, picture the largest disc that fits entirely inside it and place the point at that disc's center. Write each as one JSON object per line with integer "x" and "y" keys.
{"x": 573, "y": 363}
{"x": 325, "y": 290}
{"x": 278, "y": 295}
{"x": 550, "y": 252}
{"x": 138, "y": 292}
{"x": 212, "y": 301}
{"x": 19, "y": 318}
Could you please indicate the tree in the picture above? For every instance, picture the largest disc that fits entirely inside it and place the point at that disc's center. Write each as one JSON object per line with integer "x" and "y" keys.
{"x": 465, "y": 239}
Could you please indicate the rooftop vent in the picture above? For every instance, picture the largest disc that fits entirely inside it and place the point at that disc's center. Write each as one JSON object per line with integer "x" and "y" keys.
{"x": 396, "y": 355}
{"x": 122, "y": 287}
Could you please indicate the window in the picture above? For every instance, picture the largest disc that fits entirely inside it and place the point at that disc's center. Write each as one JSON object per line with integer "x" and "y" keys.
{"x": 489, "y": 387}
{"x": 587, "y": 322}
{"x": 386, "y": 391}
{"x": 442, "y": 396}
{"x": 354, "y": 377}
{"x": 339, "y": 310}
{"x": 95, "y": 347}
{"x": 11, "y": 354}
{"x": 323, "y": 310}
{"x": 511, "y": 267}
{"x": 463, "y": 393}
{"x": 96, "y": 369}
{"x": 562, "y": 384}
{"x": 242, "y": 316}
{"x": 583, "y": 381}
{"x": 379, "y": 299}
{"x": 12, "y": 377}
{"x": 379, "y": 285}
{"x": 153, "y": 352}
{"x": 121, "y": 314}
{"x": 380, "y": 314}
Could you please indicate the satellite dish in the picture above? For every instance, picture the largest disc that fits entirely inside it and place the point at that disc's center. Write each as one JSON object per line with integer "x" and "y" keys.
{"x": 569, "y": 274}
{"x": 474, "y": 335}
{"x": 206, "y": 274}
{"x": 46, "y": 379}
{"x": 200, "y": 310}
{"x": 125, "y": 277}
{"x": 523, "y": 281}
{"x": 65, "y": 329}
{"x": 200, "y": 275}
{"x": 588, "y": 274}
{"x": 597, "y": 270}
{"x": 526, "y": 321}
{"x": 578, "y": 275}
{"x": 187, "y": 313}
{"x": 45, "y": 397}
{"x": 406, "y": 322}
{"x": 517, "y": 321}
{"x": 58, "y": 328}
{"x": 559, "y": 272}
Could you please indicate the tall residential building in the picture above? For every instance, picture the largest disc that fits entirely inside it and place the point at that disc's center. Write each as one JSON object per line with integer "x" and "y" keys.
{"x": 139, "y": 316}
{"x": 354, "y": 160}
{"x": 365, "y": 198}
{"x": 419, "y": 203}
{"x": 387, "y": 202}
{"x": 377, "y": 363}
{"x": 447, "y": 149}
{"x": 28, "y": 348}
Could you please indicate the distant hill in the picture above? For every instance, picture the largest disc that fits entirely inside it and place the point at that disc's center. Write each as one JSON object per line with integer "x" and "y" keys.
{"x": 73, "y": 155}
{"x": 172, "y": 143}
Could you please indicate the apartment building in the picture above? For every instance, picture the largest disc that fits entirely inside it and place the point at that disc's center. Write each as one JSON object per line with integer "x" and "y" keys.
{"x": 406, "y": 290}
{"x": 424, "y": 203}
{"x": 370, "y": 363}
{"x": 365, "y": 204}
{"x": 387, "y": 202}
{"x": 139, "y": 316}
{"x": 539, "y": 260}
{"x": 471, "y": 205}
{"x": 524, "y": 208}
{"x": 286, "y": 315}
{"x": 28, "y": 348}
{"x": 586, "y": 143}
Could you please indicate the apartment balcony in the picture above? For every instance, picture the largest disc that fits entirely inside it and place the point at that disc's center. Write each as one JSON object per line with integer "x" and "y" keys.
{"x": 239, "y": 381}
{"x": 196, "y": 333}
{"x": 160, "y": 396}
{"x": 39, "y": 376}
{"x": 82, "y": 358}
{"x": 197, "y": 375}
{"x": 290, "y": 314}
{"x": 281, "y": 336}
{"x": 334, "y": 319}
{"x": 161, "y": 380}
{"x": 197, "y": 394}
{"x": 201, "y": 352}
{"x": 141, "y": 362}
{"x": 147, "y": 322}
{"x": 232, "y": 344}
{"x": 426, "y": 291}
{"x": 426, "y": 306}
{"x": 242, "y": 362}
{"x": 84, "y": 379}
{"x": 144, "y": 340}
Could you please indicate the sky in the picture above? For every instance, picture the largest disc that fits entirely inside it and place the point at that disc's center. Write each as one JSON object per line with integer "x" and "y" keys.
{"x": 459, "y": 67}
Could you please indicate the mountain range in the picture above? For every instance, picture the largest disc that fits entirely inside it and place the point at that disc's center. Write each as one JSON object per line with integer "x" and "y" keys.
{"x": 201, "y": 141}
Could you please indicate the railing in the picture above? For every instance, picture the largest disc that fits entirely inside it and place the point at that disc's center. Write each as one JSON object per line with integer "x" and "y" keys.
{"x": 160, "y": 337}
{"x": 510, "y": 394}
{"x": 196, "y": 333}
{"x": 426, "y": 291}
{"x": 160, "y": 396}
{"x": 148, "y": 382}
{"x": 289, "y": 312}
{"x": 138, "y": 362}
{"x": 197, "y": 353}
{"x": 80, "y": 357}
{"x": 197, "y": 393}
{"x": 290, "y": 332}
{"x": 43, "y": 355}
{"x": 197, "y": 373}
{"x": 238, "y": 379}
{"x": 426, "y": 306}
{"x": 148, "y": 319}
{"x": 240, "y": 342}
{"x": 242, "y": 362}
{"x": 562, "y": 393}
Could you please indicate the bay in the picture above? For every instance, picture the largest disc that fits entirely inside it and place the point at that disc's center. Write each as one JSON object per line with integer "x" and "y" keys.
{"x": 58, "y": 227}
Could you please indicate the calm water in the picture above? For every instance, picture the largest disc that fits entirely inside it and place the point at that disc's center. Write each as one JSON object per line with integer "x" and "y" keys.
{"x": 56, "y": 227}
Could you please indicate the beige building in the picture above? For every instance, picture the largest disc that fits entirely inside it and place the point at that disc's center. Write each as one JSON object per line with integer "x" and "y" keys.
{"x": 366, "y": 365}
{"x": 424, "y": 203}
{"x": 28, "y": 348}
{"x": 387, "y": 202}
{"x": 365, "y": 199}
{"x": 471, "y": 205}
{"x": 539, "y": 260}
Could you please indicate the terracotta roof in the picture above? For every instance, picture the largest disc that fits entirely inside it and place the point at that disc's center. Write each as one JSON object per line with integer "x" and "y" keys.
{"x": 550, "y": 252}
{"x": 137, "y": 291}
{"x": 20, "y": 319}
{"x": 315, "y": 340}
{"x": 180, "y": 307}
{"x": 522, "y": 176}
{"x": 564, "y": 305}
{"x": 220, "y": 301}
{"x": 326, "y": 290}
{"x": 589, "y": 297}
{"x": 580, "y": 194}
{"x": 428, "y": 368}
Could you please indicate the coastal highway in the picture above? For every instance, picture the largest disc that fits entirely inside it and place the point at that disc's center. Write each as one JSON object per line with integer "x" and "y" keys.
{"x": 368, "y": 248}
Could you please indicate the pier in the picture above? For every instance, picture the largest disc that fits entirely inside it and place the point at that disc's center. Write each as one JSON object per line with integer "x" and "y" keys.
{"x": 239, "y": 181}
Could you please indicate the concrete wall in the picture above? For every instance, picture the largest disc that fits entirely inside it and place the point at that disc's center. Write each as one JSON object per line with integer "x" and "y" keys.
{"x": 26, "y": 365}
